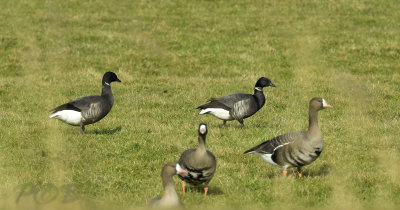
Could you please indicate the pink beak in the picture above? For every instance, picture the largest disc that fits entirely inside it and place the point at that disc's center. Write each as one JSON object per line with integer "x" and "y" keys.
{"x": 328, "y": 106}
{"x": 182, "y": 171}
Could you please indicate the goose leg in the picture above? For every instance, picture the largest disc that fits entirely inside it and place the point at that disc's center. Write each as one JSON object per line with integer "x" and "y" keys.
{"x": 300, "y": 172}
{"x": 224, "y": 123}
{"x": 284, "y": 172}
{"x": 183, "y": 187}
{"x": 205, "y": 190}
{"x": 241, "y": 122}
{"x": 82, "y": 131}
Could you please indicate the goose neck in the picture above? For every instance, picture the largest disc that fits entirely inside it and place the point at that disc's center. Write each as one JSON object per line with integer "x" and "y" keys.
{"x": 107, "y": 93}
{"x": 202, "y": 143}
{"x": 259, "y": 97}
{"x": 169, "y": 189}
{"x": 313, "y": 121}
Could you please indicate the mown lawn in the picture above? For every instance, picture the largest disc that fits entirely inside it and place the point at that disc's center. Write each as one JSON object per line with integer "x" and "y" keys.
{"x": 172, "y": 56}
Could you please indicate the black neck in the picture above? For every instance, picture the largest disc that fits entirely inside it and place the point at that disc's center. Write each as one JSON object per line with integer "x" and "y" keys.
{"x": 107, "y": 93}
{"x": 259, "y": 96}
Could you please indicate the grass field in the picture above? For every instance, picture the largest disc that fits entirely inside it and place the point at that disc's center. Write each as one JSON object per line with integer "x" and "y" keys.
{"x": 172, "y": 56}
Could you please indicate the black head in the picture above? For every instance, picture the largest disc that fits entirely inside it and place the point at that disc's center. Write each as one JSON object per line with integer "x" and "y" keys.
{"x": 110, "y": 77}
{"x": 264, "y": 82}
{"x": 203, "y": 129}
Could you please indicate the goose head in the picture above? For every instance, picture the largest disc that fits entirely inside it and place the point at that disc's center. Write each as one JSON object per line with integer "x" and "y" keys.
{"x": 264, "y": 82}
{"x": 319, "y": 103}
{"x": 110, "y": 77}
{"x": 203, "y": 129}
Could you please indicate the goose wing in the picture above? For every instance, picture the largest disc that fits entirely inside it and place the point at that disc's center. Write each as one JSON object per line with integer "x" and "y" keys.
{"x": 269, "y": 146}
{"x": 226, "y": 102}
{"x": 79, "y": 104}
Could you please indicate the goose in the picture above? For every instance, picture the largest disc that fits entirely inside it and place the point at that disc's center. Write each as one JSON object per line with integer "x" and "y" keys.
{"x": 200, "y": 163}
{"x": 169, "y": 198}
{"x": 295, "y": 149}
{"x": 237, "y": 106}
{"x": 89, "y": 109}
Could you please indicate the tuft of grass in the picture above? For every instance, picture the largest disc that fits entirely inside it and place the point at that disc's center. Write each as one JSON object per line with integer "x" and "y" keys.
{"x": 172, "y": 56}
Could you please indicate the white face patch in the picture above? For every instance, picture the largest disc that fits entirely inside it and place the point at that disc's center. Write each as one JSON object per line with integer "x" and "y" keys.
{"x": 178, "y": 168}
{"x": 324, "y": 102}
{"x": 203, "y": 128}
{"x": 258, "y": 88}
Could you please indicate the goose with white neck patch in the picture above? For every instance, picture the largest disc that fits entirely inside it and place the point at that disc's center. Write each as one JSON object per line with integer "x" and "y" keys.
{"x": 89, "y": 109}
{"x": 295, "y": 149}
{"x": 169, "y": 198}
{"x": 237, "y": 106}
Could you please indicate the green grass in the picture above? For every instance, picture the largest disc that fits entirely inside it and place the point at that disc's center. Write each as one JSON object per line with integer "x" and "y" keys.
{"x": 171, "y": 57}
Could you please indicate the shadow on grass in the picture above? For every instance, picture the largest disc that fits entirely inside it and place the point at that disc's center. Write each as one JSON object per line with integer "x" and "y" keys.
{"x": 212, "y": 190}
{"x": 323, "y": 171}
{"x": 106, "y": 131}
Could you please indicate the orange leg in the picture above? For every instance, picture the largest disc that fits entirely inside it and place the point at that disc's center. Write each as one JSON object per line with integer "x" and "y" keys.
{"x": 300, "y": 172}
{"x": 205, "y": 190}
{"x": 183, "y": 187}
{"x": 284, "y": 172}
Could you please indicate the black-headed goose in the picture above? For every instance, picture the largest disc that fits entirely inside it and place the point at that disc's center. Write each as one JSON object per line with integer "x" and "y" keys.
{"x": 169, "y": 198}
{"x": 89, "y": 109}
{"x": 200, "y": 163}
{"x": 237, "y": 106}
{"x": 295, "y": 149}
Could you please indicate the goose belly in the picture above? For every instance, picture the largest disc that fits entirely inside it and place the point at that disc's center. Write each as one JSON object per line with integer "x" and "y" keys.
{"x": 219, "y": 113}
{"x": 194, "y": 177}
{"x": 68, "y": 116}
{"x": 296, "y": 158}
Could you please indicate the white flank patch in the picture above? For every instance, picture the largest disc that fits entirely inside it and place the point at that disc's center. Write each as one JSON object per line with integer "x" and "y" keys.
{"x": 68, "y": 116}
{"x": 267, "y": 158}
{"x": 218, "y": 113}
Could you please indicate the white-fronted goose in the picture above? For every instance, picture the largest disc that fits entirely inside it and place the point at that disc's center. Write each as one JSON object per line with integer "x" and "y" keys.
{"x": 237, "y": 106}
{"x": 169, "y": 198}
{"x": 200, "y": 163}
{"x": 89, "y": 109}
{"x": 295, "y": 149}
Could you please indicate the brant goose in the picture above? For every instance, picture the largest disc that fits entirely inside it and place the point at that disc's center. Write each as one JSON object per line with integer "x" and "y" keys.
{"x": 200, "y": 163}
{"x": 295, "y": 149}
{"x": 89, "y": 109}
{"x": 237, "y": 106}
{"x": 169, "y": 198}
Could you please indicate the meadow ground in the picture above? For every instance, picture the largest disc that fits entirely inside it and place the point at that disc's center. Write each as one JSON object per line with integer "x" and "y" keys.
{"x": 171, "y": 57}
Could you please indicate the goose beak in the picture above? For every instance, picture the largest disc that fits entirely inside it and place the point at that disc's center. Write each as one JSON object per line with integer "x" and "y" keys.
{"x": 271, "y": 84}
{"x": 182, "y": 171}
{"x": 118, "y": 80}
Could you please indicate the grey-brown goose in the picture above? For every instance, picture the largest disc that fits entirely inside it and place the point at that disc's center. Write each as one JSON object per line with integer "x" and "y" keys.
{"x": 89, "y": 109}
{"x": 200, "y": 163}
{"x": 169, "y": 198}
{"x": 295, "y": 149}
{"x": 237, "y": 106}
